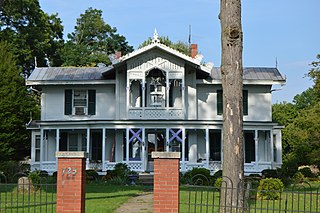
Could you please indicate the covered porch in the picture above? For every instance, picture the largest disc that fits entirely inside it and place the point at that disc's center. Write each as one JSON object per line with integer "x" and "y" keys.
{"x": 199, "y": 147}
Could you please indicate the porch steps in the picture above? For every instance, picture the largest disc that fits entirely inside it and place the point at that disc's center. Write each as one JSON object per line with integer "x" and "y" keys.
{"x": 146, "y": 179}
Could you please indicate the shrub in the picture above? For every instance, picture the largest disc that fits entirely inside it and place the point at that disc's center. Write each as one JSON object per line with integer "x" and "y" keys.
{"x": 218, "y": 183}
{"x": 298, "y": 177}
{"x": 92, "y": 175}
{"x": 198, "y": 176}
{"x": 306, "y": 171}
{"x": 269, "y": 173}
{"x": 270, "y": 188}
{"x": 121, "y": 170}
{"x": 217, "y": 174}
{"x": 8, "y": 170}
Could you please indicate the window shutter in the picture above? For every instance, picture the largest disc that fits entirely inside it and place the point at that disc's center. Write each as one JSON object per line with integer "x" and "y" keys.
{"x": 68, "y": 102}
{"x": 219, "y": 102}
{"x": 92, "y": 102}
{"x": 245, "y": 102}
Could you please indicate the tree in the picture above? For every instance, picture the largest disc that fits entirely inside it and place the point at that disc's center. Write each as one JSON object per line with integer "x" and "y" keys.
{"x": 34, "y": 35}
{"x": 16, "y": 105}
{"x": 305, "y": 99}
{"x": 179, "y": 45}
{"x": 314, "y": 73}
{"x": 232, "y": 84}
{"x": 92, "y": 41}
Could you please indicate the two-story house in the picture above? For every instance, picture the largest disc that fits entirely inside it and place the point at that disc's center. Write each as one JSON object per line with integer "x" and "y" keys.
{"x": 153, "y": 99}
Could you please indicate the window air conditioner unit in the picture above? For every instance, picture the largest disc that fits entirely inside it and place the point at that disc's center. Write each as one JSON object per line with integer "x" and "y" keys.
{"x": 79, "y": 111}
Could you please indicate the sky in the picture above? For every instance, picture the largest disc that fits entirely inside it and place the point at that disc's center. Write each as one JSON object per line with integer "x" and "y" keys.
{"x": 282, "y": 33}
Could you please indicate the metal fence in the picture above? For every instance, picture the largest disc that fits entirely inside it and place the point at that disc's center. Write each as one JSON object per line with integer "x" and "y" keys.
{"x": 201, "y": 196}
{"x": 22, "y": 193}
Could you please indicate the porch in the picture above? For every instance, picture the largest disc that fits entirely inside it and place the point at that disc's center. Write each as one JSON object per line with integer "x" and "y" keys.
{"x": 200, "y": 148}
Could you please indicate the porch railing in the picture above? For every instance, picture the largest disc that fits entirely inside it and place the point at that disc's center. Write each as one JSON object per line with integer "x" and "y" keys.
{"x": 155, "y": 113}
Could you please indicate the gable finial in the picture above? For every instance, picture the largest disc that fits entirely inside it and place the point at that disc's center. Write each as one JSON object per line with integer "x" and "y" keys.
{"x": 155, "y": 37}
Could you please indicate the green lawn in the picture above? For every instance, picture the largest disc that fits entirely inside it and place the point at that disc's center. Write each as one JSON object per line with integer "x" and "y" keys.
{"x": 99, "y": 198}
{"x": 296, "y": 199}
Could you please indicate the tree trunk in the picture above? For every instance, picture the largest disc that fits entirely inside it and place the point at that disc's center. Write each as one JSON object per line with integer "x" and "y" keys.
{"x": 232, "y": 85}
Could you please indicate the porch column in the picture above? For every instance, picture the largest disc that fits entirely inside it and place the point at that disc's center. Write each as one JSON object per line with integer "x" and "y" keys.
{"x": 127, "y": 145}
{"x": 256, "y": 144}
{"x": 103, "y": 147}
{"x": 184, "y": 107}
{"x": 271, "y": 148}
{"x": 221, "y": 147}
{"x": 88, "y": 148}
{"x": 143, "y": 88}
{"x": 57, "y": 144}
{"x": 167, "y": 91}
{"x": 41, "y": 147}
{"x": 183, "y": 166}
{"x": 128, "y": 97}
{"x": 207, "y": 148}
{"x": 144, "y": 167}
{"x": 167, "y": 139}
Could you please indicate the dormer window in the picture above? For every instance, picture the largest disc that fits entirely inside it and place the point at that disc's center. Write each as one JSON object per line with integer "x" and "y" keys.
{"x": 80, "y": 102}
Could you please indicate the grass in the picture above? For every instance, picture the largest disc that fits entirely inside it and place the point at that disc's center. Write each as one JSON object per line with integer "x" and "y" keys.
{"x": 100, "y": 197}
{"x": 300, "y": 198}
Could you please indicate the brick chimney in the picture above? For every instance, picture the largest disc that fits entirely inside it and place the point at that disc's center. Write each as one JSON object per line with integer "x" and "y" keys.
{"x": 118, "y": 54}
{"x": 194, "y": 50}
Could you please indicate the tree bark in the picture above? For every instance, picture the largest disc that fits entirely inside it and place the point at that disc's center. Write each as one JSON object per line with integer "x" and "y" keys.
{"x": 232, "y": 85}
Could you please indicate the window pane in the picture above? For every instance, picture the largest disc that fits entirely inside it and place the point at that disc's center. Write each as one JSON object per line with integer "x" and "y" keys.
{"x": 215, "y": 145}
{"x": 37, "y": 141}
{"x": 73, "y": 142}
{"x": 80, "y": 98}
{"x": 249, "y": 146}
{"x": 37, "y": 157}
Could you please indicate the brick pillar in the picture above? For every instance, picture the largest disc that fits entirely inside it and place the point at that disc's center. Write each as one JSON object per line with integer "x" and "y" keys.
{"x": 71, "y": 181}
{"x": 166, "y": 182}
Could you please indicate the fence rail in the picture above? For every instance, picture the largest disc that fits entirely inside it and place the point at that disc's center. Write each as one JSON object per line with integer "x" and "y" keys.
{"x": 21, "y": 195}
{"x": 201, "y": 197}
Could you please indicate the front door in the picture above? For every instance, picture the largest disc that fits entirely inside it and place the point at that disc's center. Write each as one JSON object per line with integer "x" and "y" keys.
{"x": 155, "y": 141}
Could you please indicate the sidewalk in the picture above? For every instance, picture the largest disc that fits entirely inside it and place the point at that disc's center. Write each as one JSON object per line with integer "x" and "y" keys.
{"x": 140, "y": 204}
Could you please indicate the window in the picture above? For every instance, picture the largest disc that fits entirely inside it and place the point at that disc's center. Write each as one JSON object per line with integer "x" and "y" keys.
{"x": 37, "y": 148}
{"x": 220, "y": 102}
{"x": 73, "y": 142}
{"x": 249, "y": 147}
{"x": 215, "y": 145}
{"x": 96, "y": 148}
{"x": 80, "y": 102}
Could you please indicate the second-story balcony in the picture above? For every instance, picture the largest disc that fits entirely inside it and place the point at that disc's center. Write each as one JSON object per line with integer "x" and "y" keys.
{"x": 155, "y": 113}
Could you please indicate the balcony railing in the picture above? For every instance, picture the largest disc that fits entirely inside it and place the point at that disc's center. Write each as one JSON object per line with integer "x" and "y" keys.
{"x": 155, "y": 113}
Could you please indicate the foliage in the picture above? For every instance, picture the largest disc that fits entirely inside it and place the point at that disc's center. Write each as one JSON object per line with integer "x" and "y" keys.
{"x": 119, "y": 175}
{"x": 35, "y": 177}
{"x": 305, "y": 99}
{"x": 31, "y": 32}
{"x": 298, "y": 178}
{"x": 9, "y": 169}
{"x": 314, "y": 73}
{"x": 92, "y": 41}
{"x": 269, "y": 173}
{"x": 217, "y": 174}
{"x": 270, "y": 188}
{"x": 92, "y": 175}
{"x": 218, "y": 183}
{"x": 179, "y": 45}
{"x": 284, "y": 113}
{"x": 197, "y": 176}
{"x": 306, "y": 171}
{"x": 16, "y": 105}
